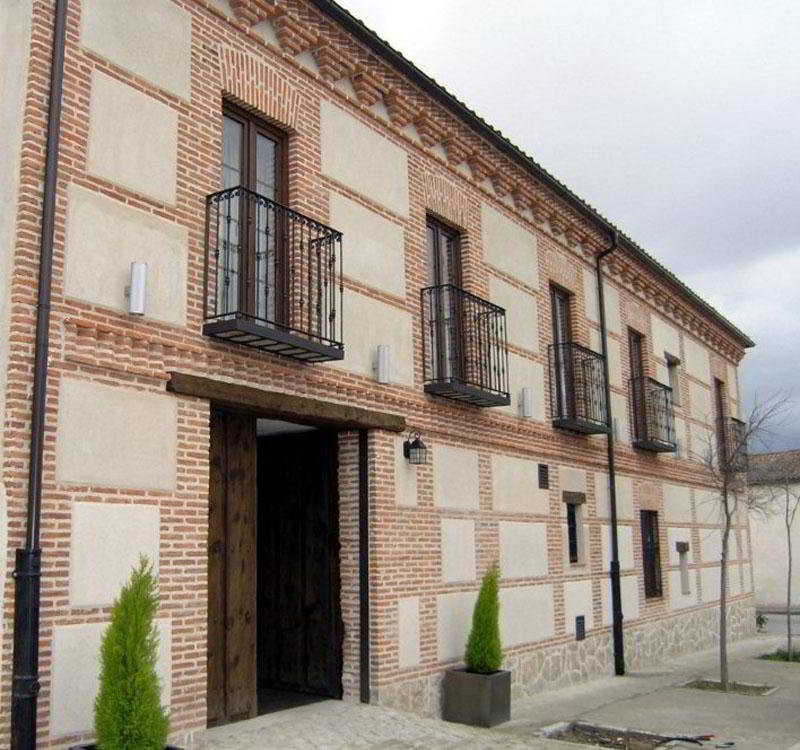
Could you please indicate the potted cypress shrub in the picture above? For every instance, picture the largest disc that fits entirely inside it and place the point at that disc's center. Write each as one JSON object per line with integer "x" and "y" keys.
{"x": 128, "y": 712}
{"x": 479, "y": 694}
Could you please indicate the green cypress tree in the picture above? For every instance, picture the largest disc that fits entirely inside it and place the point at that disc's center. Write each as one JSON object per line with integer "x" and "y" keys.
{"x": 484, "y": 650}
{"x": 128, "y": 712}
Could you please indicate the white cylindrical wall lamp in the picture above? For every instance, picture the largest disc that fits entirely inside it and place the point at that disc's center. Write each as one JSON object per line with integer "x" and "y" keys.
{"x": 526, "y": 401}
{"x": 383, "y": 364}
{"x": 137, "y": 291}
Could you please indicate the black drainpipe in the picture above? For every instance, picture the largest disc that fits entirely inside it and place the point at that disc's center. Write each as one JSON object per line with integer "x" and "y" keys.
{"x": 25, "y": 676}
{"x": 616, "y": 593}
{"x": 363, "y": 561}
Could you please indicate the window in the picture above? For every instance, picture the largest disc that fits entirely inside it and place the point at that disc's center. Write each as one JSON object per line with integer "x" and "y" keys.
{"x": 651, "y": 558}
{"x": 574, "y": 502}
{"x": 444, "y": 254}
{"x": 674, "y": 378}
{"x": 565, "y": 390}
{"x": 719, "y": 404}
{"x": 252, "y": 158}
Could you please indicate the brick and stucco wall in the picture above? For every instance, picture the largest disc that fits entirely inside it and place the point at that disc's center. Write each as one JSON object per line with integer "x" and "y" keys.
{"x": 126, "y": 463}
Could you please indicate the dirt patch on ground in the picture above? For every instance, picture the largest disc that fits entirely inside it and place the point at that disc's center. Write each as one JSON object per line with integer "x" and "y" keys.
{"x": 602, "y": 737}
{"x": 738, "y": 688}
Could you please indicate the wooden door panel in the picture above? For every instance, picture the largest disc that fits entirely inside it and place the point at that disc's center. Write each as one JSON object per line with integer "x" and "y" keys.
{"x": 231, "y": 568}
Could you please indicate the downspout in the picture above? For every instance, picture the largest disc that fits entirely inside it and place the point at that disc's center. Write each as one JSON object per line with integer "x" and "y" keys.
{"x": 27, "y": 573}
{"x": 616, "y": 593}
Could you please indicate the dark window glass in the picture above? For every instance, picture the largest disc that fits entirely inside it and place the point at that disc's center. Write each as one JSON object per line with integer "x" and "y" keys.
{"x": 651, "y": 557}
{"x": 572, "y": 532}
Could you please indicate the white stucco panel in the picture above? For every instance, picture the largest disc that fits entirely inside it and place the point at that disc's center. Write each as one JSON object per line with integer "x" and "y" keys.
{"x": 458, "y": 550}
{"x": 363, "y": 160}
{"x": 700, "y": 398}
{"x": 405, "y": 475}
{"x": 455, "y": 477}
{"x": 624, "y": 492}
{"x": 523, "y": 549}
{"x": 515, "y": 486}
{"x": 115, "y": 437}
{"x": 707, "y": 506}
{"x": 697, "y": 360}
{"x": 106, "y": 541}
{"x": 525, "y": 373}
{"x": 614, "y": 359}
{"x": 373, "y": 246}
{"x": 526, "y": 614}
{"x": 677, "y": 503}
{"x": 133, "y": 139}
{"x": 522, "y": 325}
{"x": 677, "y": 599}
{"x": 711, "y": 545}
{"x": 408, "y": 632}
{"x": 105, "y": 236}
{"x": 571, "y": 479}
{"x": 453, "y": 622}
{"x": 666, "y": 338}
{"x": 619, "y": 411}
{"x": 76, "y": 674}
{"x": 369, "y": 322}
{"x": 629, "y": 589}
{"x": 624, "y": 543}
{"x": 150, "y": 38}
{"x": 508, "y": 246}
{"x": 701, "y": 443}
{"x": 578, "y": 601}
{"x": 709, "y": 583}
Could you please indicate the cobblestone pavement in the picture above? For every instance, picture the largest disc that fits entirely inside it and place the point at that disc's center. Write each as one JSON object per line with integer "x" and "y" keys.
{"x": 331, "y": 725}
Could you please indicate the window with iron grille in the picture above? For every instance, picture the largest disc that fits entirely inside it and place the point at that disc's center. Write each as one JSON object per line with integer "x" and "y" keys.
{"x": 651, "y": 557}
{"x": 575, "y": 544}
{"x": 572, "y": 532}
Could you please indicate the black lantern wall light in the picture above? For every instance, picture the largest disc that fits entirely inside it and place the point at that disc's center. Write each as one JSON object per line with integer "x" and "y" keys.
{"x": 415, "y": 450}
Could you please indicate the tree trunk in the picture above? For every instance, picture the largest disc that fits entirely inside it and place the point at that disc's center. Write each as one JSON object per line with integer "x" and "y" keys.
{"x": 723, "y": 600}
{"x": 789, "y": 519}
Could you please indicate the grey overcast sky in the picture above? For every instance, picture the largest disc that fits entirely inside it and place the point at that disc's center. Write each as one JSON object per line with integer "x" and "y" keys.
{"x": 679, "y": 121}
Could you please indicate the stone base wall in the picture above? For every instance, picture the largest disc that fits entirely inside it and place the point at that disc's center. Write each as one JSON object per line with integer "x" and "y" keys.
{"x": 566, "y": 664}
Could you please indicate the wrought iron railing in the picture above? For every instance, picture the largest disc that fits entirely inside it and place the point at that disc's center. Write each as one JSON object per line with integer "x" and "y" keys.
{"x": 577, "y": 389}
{"x": 273, "y": 277}
{"x": 465, "y": 351}
{"x": 653, "y": 418}
{"x": 732, "y": 443}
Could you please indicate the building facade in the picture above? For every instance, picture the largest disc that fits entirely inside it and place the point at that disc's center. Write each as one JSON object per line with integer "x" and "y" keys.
{"x": 336, "y": 256}
{"x": 775, "y": 479}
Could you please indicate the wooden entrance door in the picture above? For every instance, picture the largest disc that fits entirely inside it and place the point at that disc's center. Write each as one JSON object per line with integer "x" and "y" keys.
{"x": 232, "y": 622}
{"x": 300, "y": 637}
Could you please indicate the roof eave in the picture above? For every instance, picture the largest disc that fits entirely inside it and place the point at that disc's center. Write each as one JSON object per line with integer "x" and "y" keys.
{"x": 429, "y": 85}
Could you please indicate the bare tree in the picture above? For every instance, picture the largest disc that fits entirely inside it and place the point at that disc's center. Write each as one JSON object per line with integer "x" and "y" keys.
{"x": 725, "y": 458}
{"x": 777, "y": 477}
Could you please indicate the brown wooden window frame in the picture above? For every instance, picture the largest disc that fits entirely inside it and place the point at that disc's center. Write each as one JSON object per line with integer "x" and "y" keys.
{"x": 651, "y": 554}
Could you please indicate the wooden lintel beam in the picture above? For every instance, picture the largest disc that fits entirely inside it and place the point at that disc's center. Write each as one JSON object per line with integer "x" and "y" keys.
{"x": 284, "y": 406}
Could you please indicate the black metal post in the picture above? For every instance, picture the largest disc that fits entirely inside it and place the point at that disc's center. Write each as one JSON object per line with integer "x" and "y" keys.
{"x": 616, "y": 593}
{"x": 25, "y": 676}
{"x": 363, "y": 561}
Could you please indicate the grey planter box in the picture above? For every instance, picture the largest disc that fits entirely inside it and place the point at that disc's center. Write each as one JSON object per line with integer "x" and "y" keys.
{"x": 480, "y": 700}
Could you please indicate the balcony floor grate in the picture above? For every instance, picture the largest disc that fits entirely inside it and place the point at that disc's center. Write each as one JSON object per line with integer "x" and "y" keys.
{"x": 266, "y": 338}
{"x": 469, "y": 394}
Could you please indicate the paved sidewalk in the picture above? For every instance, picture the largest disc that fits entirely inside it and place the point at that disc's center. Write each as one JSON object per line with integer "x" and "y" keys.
{"x": 653, "y": 701}
{"x": 650, "y": 701}
{"x": 331, "y": 725}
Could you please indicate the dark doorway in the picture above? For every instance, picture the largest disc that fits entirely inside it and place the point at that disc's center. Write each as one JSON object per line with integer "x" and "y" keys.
{"x": 300, "y": 640}
{"x": 274, "y": 618}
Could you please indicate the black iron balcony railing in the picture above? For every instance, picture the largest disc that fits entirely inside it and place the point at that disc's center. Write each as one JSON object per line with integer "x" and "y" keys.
{"x": 732, "y": 444}
{"x": 653, "y": 416}
{"x": 577, "y": 389}
{"x": 273, "y": 278}
{"x": 465, "y": 352}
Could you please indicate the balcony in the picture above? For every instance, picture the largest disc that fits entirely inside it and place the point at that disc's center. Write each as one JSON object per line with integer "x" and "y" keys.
{"x": 272, "y": 278}
{"x": 653, "y": 416}
{"x": 732, "y": 437}
{"x": 465, "y": 353}
{"x": 577, "y": 389}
